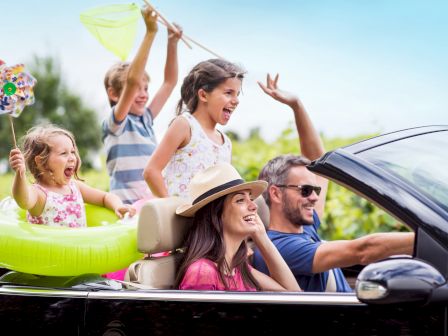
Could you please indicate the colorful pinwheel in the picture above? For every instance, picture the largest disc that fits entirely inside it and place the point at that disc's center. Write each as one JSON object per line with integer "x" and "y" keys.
{"x": 16, "y": 91}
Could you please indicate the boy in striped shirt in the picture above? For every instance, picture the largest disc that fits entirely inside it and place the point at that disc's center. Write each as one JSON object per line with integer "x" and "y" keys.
{"x": 128, "y": 135}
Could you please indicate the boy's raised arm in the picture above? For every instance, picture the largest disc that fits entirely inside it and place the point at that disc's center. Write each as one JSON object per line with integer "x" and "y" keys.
{"x": 170, "y": 74}
{"x": 137, "y": 67}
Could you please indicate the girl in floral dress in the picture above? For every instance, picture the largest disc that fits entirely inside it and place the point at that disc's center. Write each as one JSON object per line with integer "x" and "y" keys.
{"x": 192, "y": 143}
{"x": 57, "y": 196}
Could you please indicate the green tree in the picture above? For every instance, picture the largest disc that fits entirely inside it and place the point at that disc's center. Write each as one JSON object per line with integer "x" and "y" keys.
{"x": 54, "y": 103}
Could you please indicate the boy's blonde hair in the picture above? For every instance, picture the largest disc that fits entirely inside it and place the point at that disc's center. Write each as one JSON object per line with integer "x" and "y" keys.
{"x": 35, "y": 143}
{"x": 116, "y": 77}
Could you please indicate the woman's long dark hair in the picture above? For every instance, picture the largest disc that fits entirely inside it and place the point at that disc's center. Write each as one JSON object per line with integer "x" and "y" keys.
{"x": 205, "y": 239}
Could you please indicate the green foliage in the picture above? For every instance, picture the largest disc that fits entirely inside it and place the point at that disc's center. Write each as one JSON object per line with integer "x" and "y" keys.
{"x": 96, "y": 178}
{"x": 349, "y": 216}
{"x": 346, "y": 216}
{"x": 56, "y": 104}
{"x": 5, "y": 185}
{"x": 250, "y": 155}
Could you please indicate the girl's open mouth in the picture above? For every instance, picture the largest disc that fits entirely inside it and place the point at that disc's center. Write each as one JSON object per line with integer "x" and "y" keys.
{"x": 227, "y": 113}
{"x": 68, "y": 172}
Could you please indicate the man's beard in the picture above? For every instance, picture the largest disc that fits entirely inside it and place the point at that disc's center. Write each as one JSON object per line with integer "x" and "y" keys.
{"x": 293, "y": 213}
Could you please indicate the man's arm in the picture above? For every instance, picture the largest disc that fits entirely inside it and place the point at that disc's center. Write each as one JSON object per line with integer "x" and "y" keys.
{"x": 311, "y": 144}
{"x": 364, "y": 250}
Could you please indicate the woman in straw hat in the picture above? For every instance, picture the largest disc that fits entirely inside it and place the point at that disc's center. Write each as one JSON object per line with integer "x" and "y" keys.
{"x": 224, "y": 216}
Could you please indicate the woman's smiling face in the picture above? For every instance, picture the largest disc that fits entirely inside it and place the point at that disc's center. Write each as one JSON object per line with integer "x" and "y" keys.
{"x": 239, "y": 214}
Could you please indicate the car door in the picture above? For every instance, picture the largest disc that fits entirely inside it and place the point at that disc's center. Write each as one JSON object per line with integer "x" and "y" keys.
{"x": 33, "y": 311}
{"x": 174, "y": 312}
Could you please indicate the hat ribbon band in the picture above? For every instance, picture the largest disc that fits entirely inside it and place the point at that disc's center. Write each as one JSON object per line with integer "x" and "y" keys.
{"x": 218, "y": 189}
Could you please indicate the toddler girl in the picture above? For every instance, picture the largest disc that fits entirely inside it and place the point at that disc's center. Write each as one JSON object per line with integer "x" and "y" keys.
{"x": 192, "y": 143}
{"x": 57, "y": 196}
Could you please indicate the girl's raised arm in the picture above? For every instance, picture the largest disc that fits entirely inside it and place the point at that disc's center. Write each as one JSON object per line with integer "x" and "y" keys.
{"x": 177, "y": 136}
{"x": 27, "y": 196}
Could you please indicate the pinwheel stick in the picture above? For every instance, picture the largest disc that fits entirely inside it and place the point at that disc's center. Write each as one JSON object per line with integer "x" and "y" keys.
{"x": 165, "y": 22}
{"x": 12, "y": 129}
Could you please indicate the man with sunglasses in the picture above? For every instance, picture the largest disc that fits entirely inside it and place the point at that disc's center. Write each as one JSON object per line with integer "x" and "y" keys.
{"x": 296, "y": 200}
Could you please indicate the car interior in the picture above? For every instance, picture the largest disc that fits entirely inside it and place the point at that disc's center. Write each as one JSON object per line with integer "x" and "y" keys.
{"x": 161, "y": 230}
{"x": 160, "y": 236}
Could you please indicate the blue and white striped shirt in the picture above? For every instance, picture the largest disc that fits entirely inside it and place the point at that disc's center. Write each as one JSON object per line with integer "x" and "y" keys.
{"x": 129, "y": 145}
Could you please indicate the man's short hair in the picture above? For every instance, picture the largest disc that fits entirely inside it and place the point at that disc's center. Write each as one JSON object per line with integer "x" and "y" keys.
{"x": 276, "y": 171}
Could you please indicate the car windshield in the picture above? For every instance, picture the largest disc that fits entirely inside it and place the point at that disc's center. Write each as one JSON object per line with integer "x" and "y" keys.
{"x": 421, "y": 160}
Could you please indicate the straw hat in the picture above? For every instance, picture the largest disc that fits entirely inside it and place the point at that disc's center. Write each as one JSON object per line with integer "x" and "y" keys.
{"x": 214, "y": 182}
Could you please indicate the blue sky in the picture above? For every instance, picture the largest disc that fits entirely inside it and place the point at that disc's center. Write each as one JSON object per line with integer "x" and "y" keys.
{"x": 359, "y": 66}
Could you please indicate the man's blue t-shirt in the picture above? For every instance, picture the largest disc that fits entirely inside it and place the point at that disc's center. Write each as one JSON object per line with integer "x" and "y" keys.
{"x": 298, "y": 250}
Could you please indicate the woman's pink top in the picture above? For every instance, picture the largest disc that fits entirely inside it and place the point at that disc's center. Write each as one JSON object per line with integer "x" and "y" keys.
{"x": 62, "y": 210}
{"x": 203, "y": 275}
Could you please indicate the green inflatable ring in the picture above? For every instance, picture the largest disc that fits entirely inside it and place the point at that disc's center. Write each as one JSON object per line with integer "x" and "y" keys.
{"x": 106, "y": 245}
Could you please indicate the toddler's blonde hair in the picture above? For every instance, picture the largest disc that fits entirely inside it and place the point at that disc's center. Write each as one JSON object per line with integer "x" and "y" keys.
{"x": 35, "y": 143}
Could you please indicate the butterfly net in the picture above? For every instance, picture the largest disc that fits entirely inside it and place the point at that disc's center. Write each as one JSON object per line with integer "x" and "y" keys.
{"x": 114, "y": 26}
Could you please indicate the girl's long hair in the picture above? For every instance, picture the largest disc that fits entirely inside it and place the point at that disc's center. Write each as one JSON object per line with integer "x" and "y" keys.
{"x": 205, "y": 239}
{"x": 206, "y": 75}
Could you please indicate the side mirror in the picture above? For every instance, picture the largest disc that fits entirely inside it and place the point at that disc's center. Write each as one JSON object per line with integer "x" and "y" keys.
{"x": 398, "y": 280}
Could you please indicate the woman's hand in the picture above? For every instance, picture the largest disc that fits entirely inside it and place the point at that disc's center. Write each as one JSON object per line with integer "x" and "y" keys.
{"x": 260, "y": 231}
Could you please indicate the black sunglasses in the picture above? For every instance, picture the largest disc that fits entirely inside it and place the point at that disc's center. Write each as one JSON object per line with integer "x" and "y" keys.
{"x": 305, "y": 190}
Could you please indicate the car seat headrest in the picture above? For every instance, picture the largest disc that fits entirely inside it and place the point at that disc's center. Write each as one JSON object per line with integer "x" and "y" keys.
{"x": 159, "y": 228}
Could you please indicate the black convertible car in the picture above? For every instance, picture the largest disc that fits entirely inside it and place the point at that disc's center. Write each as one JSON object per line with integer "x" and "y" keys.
{"x": 405, "y": 173}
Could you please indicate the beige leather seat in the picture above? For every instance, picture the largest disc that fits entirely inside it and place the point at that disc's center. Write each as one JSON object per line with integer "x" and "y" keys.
{"x": 263, "y": 210}
{"x": 159, "y": 230}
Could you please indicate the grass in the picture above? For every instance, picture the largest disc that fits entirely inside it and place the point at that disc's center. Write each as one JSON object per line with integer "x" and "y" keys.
{"x": 5, "y": 185}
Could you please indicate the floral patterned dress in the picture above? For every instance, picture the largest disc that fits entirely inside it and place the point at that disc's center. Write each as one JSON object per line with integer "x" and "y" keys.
{"x": 199, "y": 154}
{"x": 62, "y": 210}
